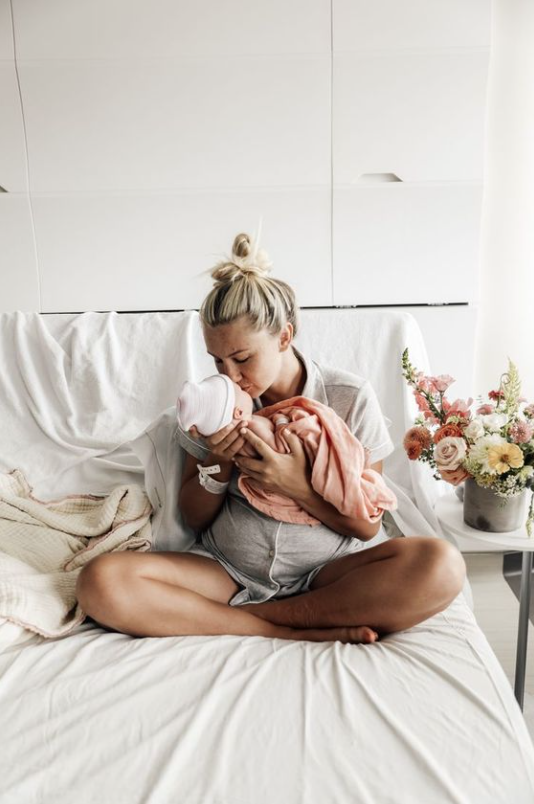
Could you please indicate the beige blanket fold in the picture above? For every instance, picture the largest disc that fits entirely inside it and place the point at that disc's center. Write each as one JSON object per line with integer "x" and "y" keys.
{"x": 45, "y": 544}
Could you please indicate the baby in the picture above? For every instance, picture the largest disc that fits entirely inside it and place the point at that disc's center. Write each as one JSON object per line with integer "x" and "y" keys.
{"x": 216, "y": 402}
{"x": 341, "y": 473}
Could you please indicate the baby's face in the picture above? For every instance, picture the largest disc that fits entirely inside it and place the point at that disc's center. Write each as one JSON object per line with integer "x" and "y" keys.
{"x": 243, "y": 405}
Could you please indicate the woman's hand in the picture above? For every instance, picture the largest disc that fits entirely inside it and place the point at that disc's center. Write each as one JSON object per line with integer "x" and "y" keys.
{"x": 288, "y": 474}
{"x": 224, "y": 443}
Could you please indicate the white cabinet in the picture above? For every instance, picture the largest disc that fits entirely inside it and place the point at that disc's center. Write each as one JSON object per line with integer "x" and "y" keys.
{"x": 161, "y": 29}
{"x": 409, "y": 100}
{"x": 6, "y": 31}
{"x": 157, "y": 131}
{"x": 18, "y": 267}
{"x": 151, "y": 251}
{"x": 13, "y": 177}
{"x": 411, "y": 24}
{"x": 419, "y": 115}
{"x": 141, "y": 125}
{"x": 397, "y": 243}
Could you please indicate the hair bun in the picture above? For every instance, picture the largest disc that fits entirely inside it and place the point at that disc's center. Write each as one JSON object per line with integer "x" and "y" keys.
{"x": 246, "y": 260}
{"x": 249, "y": 257}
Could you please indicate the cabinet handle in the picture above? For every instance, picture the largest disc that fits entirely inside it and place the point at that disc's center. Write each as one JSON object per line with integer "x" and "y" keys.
{"x": 379, "y": 177}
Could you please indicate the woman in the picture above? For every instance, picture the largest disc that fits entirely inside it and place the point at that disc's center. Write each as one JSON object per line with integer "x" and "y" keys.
{"x": 250, "y": 574}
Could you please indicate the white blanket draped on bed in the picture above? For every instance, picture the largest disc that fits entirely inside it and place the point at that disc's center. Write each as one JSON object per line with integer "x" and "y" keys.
{"x": 91, "y": 388}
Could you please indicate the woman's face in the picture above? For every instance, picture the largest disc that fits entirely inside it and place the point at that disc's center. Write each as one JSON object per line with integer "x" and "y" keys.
{"x": 251, "y": 359}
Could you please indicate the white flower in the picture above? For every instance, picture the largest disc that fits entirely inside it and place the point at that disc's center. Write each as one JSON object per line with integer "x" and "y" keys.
{"x": 450, "y": 452}
{"x": 474, "y": 430}
{"x": 494, "y": 421}
{"x": 480, "y": 451}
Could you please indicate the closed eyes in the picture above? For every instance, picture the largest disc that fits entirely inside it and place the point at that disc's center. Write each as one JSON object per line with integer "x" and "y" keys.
{"x": 237, "y": 361}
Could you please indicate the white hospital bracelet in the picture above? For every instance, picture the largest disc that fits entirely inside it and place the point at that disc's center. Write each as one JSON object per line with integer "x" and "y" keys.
{"x": 207, "y": 482}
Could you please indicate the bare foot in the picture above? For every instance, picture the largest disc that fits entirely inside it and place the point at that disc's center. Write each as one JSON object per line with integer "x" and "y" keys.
{"x": 351, "y": 634}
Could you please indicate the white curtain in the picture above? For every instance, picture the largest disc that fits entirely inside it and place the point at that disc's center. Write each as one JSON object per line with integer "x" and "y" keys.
{"x": 506, "y": 290}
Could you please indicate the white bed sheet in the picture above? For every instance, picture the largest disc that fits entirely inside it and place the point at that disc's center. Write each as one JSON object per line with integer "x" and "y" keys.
{"x": 425, "y": 715}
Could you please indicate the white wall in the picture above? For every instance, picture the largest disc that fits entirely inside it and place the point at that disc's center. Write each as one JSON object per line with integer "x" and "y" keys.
{"x": 507, "y": 245}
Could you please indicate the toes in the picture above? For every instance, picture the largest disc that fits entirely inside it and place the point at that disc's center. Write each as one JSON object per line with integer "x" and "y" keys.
{"x": 368, "y": 635}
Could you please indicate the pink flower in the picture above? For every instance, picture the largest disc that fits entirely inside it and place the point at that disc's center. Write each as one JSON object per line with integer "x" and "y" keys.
{"x": 529, "y": 411}
{"x": 460, "y": 408}
{"x": 485, "y": 410}
{"x": 454, "y": 476}
{"x": 442, "y": 382}
{"x": 521, "y": 432}
{"x": 421, "y": 381}
{"x": 422, "y": 403}
{"x": 430, "y": 418}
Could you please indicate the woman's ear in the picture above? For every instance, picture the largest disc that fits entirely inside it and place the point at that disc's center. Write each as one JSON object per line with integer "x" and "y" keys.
{"x": 286, "y": 336}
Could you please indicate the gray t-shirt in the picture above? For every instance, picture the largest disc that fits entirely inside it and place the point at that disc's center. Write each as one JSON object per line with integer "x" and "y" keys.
{"x": 270, "y": 558}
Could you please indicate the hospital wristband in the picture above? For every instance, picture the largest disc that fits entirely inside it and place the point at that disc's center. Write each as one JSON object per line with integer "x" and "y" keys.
{"x": 207, "y": 482}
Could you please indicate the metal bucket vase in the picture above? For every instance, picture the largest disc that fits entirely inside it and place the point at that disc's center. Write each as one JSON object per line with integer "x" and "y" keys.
{"x": 484, "y": 510}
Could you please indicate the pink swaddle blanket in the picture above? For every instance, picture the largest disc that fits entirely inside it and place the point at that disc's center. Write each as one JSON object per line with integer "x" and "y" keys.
{"x": 341, "y": 473}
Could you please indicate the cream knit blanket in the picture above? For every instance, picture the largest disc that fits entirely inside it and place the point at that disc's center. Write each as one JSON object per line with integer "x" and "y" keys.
{"x": 44, "y": 545}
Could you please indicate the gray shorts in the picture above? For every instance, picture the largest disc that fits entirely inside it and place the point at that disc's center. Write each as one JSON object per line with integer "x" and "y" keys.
{"x": 245, "y": 594}
{"x": 274, "y": 584}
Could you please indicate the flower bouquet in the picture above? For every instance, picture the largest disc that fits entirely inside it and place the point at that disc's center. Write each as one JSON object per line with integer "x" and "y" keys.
{"x": 494, "y": 445}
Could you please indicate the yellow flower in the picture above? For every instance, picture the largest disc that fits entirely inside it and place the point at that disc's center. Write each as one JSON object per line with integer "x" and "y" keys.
{"x": 503, "y": 457}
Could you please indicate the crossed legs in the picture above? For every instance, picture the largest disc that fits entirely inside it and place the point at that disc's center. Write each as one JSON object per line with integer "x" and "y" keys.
{"x": 382, "y": 589}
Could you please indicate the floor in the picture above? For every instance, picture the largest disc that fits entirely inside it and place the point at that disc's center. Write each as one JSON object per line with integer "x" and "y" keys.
{"x": 497, "y": 612}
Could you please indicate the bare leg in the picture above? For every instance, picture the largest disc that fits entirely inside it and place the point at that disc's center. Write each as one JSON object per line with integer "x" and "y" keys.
{"x": 390, "y": 587}
{"x": 138, "y": 605}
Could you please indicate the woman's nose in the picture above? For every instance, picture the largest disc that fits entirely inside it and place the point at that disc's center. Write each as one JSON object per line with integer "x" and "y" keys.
{"x": 234, "y": 375}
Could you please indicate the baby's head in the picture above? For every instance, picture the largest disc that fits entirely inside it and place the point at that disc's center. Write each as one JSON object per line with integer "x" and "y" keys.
{"x": 212, "y": 404}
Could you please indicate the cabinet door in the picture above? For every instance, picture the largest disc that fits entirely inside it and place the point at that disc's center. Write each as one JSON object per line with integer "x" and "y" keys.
{"x": 153, "y": 251}
{"x": 409, "y": 102}
{"x": 167, "y": 124}
{"x": 7, "y": 49}
{"x": 13, "y": 175}
{"x": 157, "y": 132}
{"x": 417, "y": 115}
{"x": 161, "y": 29}
{"x": 410, "y": 24}
{"x": 399, "y": 243}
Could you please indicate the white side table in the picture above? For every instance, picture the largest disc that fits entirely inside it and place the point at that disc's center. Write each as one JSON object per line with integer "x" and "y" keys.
{"x": 449, "y": 511}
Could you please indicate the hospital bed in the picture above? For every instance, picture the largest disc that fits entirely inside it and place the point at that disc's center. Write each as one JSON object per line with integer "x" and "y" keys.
{"x": 424, "y": 716}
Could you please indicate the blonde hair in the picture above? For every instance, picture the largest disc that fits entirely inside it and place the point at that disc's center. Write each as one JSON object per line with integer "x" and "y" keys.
{"x": 242, "y": 288}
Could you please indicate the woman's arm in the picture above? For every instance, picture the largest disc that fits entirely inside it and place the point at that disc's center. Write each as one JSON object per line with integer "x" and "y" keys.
{"x": 291, "y": 475}
{"x": 198, "y": 506}
{"x": 314, "y": 504}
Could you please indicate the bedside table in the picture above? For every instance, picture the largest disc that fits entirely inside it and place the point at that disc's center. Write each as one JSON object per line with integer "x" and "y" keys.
{"x": 449, "y": 511}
